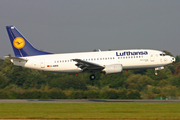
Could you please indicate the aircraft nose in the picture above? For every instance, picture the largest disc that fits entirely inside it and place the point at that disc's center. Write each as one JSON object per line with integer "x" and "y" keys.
{"x": 173, "y": 59}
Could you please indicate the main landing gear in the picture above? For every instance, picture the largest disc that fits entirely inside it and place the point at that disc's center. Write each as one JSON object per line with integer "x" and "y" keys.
{"x": 92, "y": 77}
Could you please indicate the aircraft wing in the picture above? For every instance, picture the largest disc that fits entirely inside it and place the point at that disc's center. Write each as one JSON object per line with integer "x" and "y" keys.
{"x": 88, "y": 66}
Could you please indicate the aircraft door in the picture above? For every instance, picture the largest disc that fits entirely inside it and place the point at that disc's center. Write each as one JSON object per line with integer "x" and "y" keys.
{"x": 152, "y": 57}
{"x": 42, "y": 63}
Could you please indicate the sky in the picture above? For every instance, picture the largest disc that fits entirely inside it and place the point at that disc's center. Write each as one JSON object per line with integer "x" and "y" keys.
{"x": 63, "y": 26}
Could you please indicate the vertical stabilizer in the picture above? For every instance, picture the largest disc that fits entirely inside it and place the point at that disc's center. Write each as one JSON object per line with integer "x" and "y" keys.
{"x": 21, "y": 46}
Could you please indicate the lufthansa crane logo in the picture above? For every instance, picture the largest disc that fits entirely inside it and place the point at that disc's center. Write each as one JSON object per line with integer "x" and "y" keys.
{"x": 19, "y": 42}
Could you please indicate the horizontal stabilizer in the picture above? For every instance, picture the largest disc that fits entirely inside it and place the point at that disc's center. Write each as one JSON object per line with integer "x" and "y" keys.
{"x": 15, "y": 58}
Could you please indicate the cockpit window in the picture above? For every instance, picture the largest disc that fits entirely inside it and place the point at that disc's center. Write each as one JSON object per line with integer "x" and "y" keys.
{"x": 163, "y": 54}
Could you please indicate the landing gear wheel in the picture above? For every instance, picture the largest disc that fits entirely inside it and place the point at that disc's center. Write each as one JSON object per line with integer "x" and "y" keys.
{"x": 155, "y": 72}
{"x": 92, "y": 77}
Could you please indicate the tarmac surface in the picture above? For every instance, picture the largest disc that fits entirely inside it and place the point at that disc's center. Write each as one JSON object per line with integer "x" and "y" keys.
{"x": 83, "y": 101}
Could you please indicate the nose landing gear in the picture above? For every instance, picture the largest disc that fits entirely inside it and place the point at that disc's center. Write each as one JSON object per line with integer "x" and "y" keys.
{"x": 155, "y": 72}
{"x": 159, "y": 68}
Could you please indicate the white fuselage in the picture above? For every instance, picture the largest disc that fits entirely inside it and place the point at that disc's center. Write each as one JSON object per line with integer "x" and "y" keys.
{"x": 129, "y": 59}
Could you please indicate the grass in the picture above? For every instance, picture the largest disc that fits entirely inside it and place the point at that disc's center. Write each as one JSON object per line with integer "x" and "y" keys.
{"x": 90, "y": 110}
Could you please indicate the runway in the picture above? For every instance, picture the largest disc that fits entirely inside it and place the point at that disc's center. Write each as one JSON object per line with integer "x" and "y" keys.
{"x": 83, "y": 101}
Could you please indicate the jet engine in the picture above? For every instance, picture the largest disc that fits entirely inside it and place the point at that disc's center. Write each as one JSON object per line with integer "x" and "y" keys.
{"x": 113, "y": 68}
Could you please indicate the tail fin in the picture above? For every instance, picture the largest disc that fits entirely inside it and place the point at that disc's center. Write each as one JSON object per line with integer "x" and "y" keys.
{"x": 21, "y": 46}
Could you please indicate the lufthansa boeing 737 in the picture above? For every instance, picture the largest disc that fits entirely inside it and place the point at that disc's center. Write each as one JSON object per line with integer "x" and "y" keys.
{"x": 107, "y": 62}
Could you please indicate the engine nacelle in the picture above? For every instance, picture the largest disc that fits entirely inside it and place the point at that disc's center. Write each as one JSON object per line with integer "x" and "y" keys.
{"x": 113, "y": 68}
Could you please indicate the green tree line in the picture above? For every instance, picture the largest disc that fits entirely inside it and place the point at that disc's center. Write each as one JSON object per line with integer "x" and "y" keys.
{"x": 22, "y": 83}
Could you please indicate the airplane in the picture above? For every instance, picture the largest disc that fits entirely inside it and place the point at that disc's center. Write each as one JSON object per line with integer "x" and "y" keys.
{"x": 107, "y": 62}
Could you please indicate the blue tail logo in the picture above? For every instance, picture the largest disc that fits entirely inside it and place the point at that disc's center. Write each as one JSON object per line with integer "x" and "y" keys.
{"x": 21, "y": 46}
